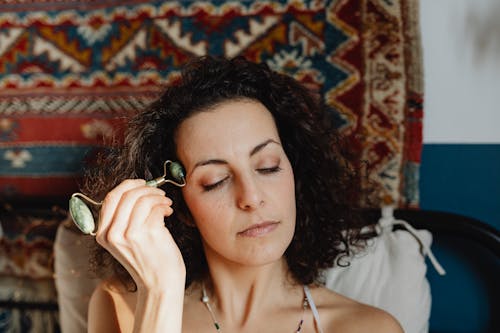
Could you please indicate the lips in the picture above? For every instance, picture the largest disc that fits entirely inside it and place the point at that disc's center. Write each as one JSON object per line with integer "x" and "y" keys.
{"x": 259, "y": 229}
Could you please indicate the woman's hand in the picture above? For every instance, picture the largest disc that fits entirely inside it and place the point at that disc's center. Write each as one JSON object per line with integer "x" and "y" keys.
{"x": 131, "y": 227}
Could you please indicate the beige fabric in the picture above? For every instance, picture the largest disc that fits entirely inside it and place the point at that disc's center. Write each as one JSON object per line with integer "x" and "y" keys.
{"x": 74, "y": 282}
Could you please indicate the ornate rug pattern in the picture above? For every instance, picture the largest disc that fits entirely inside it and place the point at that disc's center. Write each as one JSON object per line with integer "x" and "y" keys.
{"x": 70, "y": 71}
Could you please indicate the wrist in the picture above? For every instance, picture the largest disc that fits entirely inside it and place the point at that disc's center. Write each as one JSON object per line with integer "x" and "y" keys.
{"x": 165, "y": 288}
{"x": 159, "y": 309}
{"x": 164, "y": 282}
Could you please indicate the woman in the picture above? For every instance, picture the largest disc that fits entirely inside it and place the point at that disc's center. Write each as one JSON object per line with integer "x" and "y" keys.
{"x": 266, "y": 206}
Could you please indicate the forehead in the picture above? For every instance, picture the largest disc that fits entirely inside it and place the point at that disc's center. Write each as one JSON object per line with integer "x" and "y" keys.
{"x": 227, "y": 127}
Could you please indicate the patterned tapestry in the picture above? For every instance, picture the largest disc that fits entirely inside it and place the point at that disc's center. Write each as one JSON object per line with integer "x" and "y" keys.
{"x": 70, "y": 71}
{"x": 26, "y": 269}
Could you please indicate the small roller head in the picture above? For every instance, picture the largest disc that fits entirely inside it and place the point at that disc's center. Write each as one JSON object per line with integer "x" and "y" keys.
{"x": 81, "y": 215}
{"x": 177, "y": 171}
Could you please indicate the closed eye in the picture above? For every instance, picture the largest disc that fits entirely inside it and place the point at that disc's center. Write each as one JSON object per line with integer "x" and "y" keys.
{"x": 269, "y": 170}
{"x": 213, "y": 186}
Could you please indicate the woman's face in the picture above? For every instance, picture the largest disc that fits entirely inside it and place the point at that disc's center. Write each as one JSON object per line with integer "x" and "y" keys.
{"x": 240, "y": 186}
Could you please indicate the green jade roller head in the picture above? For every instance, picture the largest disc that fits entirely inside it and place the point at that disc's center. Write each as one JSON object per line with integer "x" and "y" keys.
{"x": 82, "y": 216}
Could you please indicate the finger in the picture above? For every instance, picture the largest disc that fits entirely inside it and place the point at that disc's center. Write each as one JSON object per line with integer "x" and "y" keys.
{"x": 137, "y": 244}
{"x": 155, "y": 224}
{"x": 157, "y": 215}
{"x": 111, "y": 201}
{"x": 126, "y": 248}
{"x": 140, "y": 212}
{"x": 123, "y": 209}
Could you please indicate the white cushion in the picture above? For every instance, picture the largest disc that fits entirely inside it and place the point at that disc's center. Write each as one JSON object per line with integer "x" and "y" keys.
{"x": 390, "y": 274}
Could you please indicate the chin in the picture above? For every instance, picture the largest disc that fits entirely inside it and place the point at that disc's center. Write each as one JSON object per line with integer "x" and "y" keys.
{"x": 252, "y": 251}
{"x": 264, "y": 253}
{"x": 262, "y": 260}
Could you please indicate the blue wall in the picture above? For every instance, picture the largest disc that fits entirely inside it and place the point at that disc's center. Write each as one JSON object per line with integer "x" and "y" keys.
{"x": 463, "y": 179}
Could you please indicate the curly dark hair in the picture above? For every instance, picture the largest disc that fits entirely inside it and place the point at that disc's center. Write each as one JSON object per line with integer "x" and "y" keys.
{"x": 326, "y": 187}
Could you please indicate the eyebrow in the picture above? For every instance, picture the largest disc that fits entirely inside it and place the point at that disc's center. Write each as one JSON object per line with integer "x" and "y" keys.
{"x": 254, "y": 151}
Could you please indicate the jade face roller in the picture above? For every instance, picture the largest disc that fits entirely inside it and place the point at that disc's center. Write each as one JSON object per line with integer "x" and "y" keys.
{"x": 82, "y": 216}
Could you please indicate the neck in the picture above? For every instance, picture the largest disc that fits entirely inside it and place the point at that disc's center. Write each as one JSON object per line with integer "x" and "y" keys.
{"x": 242, "y": 294}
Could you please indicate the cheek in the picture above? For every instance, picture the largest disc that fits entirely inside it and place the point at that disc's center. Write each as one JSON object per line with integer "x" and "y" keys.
{"x": 288, "y": 188}
{"x": 289, "y": 193}
{"x": 208, "y": 211}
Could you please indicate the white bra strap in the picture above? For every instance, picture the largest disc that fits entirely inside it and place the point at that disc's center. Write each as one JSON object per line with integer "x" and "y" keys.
{"x": 313, "y": 308}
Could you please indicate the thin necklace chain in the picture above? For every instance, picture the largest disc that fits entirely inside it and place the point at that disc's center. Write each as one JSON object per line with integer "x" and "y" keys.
{"x": 206, "y": 300}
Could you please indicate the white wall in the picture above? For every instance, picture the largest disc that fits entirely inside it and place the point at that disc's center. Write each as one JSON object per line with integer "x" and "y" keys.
{"x": 461, "y": 48}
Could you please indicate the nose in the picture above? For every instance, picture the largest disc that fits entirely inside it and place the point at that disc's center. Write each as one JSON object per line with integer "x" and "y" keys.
{"x": 249, "y": 196}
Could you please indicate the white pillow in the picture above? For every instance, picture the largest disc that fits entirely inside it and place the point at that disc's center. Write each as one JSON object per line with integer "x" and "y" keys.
{"x": 390, "y": 274}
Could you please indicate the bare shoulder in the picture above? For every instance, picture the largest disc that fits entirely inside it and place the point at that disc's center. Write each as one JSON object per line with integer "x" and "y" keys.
{"x": 108, "y": 308}
{"x": 342, "y": 314}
